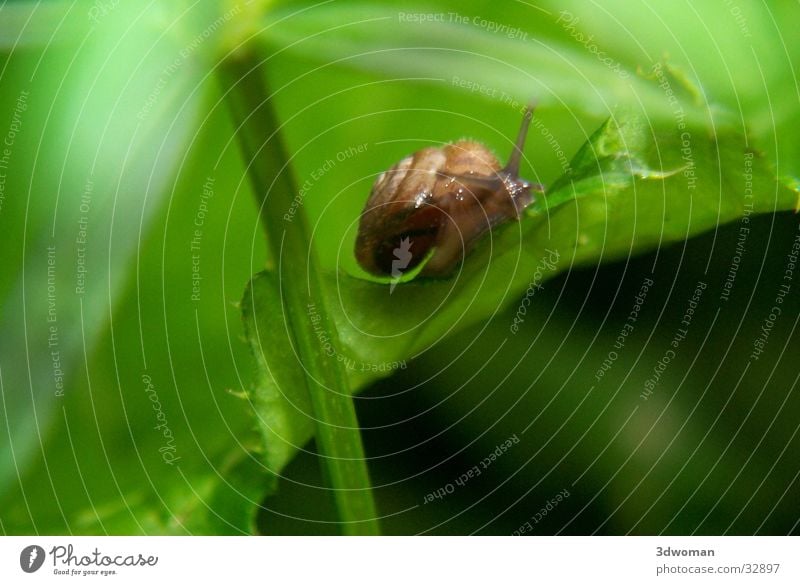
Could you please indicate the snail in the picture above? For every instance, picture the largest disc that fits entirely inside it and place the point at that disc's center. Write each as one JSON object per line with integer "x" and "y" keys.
{"x": 437, "y": 203}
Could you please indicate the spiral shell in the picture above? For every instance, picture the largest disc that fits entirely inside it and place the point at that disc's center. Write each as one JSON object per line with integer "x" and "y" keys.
{"x": 435, "y": 204}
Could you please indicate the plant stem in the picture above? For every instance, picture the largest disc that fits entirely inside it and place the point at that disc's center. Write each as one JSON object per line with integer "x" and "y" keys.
{"x": 337, "y": 431}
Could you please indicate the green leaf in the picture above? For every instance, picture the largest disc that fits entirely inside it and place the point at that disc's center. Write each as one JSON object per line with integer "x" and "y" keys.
{"x": 345, "y": 74}
{"x": 629, "y": 189}
{"x": 87, "y": 459}
{"x": 609, "y": 207}
{"x": 282, "y": 401}
{"x": 747, "y": 60}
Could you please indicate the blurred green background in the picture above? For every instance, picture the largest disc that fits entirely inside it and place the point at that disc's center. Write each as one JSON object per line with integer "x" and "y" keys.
{"x": 119, "y": 120}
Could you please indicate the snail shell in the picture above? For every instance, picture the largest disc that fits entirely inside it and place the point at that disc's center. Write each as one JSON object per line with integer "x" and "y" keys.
{"x": 436, "y": 203}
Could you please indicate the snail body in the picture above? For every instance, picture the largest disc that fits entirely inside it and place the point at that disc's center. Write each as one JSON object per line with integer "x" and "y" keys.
{"x": 436, "y": 203}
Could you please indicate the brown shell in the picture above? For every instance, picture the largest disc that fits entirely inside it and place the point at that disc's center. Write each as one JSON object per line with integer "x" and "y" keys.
{"x": 436, "y": 204}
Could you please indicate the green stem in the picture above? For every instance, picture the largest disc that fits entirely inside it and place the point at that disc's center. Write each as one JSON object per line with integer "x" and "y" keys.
{"x": 337, "y": 433}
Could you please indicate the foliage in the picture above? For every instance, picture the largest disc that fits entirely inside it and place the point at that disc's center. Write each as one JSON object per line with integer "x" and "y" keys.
{"x": 126, "y": 130}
